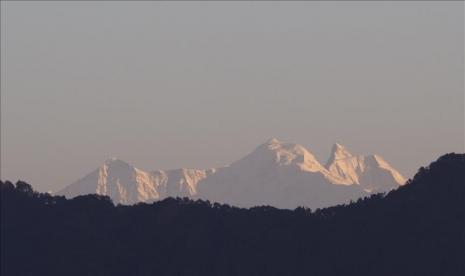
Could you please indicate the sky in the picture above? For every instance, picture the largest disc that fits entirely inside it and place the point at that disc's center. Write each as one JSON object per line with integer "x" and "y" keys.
{"x": 201, "y": 84}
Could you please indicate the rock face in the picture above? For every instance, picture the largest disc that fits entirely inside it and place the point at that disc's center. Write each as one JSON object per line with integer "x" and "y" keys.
{"x": 371, "y": 172}
{"x": 279, "y": 174}
{"x": 126, "y": 184}
{"x": 180, "y": 182}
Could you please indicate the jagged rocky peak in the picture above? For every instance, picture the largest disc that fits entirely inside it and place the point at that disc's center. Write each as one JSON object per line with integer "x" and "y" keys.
{"x": 116, "y": 164}
{"x": 113, "y": 160}
{"x": 338, "y": 152}
{"x": 276, "y": 152}
{"x": 371, "y": 172}
{"x": 117, "y": 170}
{"x": 273, "y": 140}
{"x": 376, "y": 161}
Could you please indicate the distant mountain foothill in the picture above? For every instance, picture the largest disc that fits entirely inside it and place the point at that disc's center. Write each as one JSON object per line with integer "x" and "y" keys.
{"x": 416, "y": 229}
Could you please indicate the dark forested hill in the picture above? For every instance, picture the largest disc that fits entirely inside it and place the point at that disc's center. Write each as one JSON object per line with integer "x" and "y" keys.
{"x": 418, "y": 229}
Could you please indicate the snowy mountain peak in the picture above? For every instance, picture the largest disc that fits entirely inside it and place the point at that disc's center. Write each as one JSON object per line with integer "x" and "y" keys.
{"x": 278, "y": 153}
{"x": 338, "y": 152}
{"x": 378, "y": 162}
{"x": 126, "y": 184}
{"x": 273, "y": 141}
{"x": 371, "y": 172}
{"x": 113, "y": 161}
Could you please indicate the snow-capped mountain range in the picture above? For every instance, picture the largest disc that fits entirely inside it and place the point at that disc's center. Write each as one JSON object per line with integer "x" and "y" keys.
{"x": 279, "y": 174}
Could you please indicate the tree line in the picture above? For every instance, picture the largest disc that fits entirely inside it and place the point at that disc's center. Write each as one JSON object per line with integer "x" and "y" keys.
{"x": 418, "y": 229}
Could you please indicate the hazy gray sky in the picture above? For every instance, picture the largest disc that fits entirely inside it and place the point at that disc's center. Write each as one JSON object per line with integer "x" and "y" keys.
{"x": 168, "y": 85}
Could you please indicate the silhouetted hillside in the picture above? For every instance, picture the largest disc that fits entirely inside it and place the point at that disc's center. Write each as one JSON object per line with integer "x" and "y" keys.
{"x": 418, "y": 229}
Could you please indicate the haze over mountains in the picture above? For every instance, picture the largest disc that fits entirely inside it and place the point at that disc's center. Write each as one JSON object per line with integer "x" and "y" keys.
{"x": 284, "y": 175}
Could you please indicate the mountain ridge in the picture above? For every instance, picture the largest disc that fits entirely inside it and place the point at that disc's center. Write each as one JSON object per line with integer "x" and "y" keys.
{"x": 276, "y": 173}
